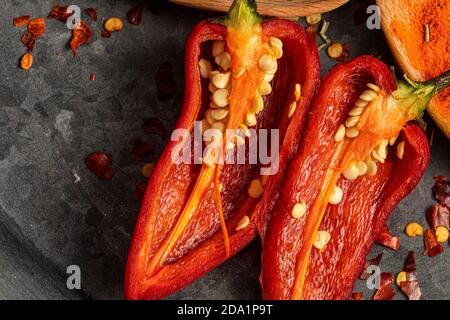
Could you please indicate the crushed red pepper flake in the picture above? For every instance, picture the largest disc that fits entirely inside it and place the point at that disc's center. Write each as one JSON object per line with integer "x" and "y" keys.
{"x": 154, "y": 126}
{"x": 166, "y": 86}
{"x": 28, "y": 41}
{"x": 36, "y": 27}
{"x": 134, "y": 15}
{"x": 106, "y": 34}
{"x": 371, "y": 262}
{"x": 386, "y": 290}
{"x": 386, "y": 239}
{"x": 92, "y": 76}
{"x": 142, "y": 150}
{"x": 345, "y": 53}
{"x": 438, "y": 215}
{"x": 432, "y": 246}
{"x": 21, "y": 21}
{"x": 139, "y": 193}
{"x": 357, "y": 296}
{"x": 59, "y": 13}
{"x": 411, "y": 287}
{"x": 100, "y": 164}
{"x": 81, "y": 35}
{"x": 92, "y": 13}
{"x": 442, "y": 190}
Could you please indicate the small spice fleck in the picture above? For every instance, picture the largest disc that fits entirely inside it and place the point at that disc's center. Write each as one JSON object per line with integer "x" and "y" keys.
{"x": 92, "y": 76}
{"x": 427, "y": 33}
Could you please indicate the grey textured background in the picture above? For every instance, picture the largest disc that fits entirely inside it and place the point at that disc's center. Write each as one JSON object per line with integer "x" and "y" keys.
{"x": 52, "y": 116}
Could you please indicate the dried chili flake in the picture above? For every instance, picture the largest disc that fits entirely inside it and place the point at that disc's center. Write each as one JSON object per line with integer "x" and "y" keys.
{"x": 357, "y": 296}
{"x": 138, "y": 194}
{"x": 386, "y": 289}
{"x": 59, "y": 13}
{"x": 438, "y": 215}
{"x": 142, "y": 150}
{"x": 432, "y": 246}
{"x": 105, "y": 34}
{"x": 28, "y": 41}
{"x": 442, "y": 190}
{"x": 100, "y": 164}
{"x": 411, "y": 287}
{"x": 312, "y": 30}
{"x": 134, "y": 15}
{"x": 166, "y": 86}
{"x": 386, "y": 239}
{"x": 372, "y": 262}
{"x": 92, "y": 13}
{"x": 37, "y": 27}
{"x": 81, "y": 35}
{"x": 345, "y": 53}
{"x": 92, "y": 76}
{"x": 21, "y": 21}
{"x": 154, "y": 126}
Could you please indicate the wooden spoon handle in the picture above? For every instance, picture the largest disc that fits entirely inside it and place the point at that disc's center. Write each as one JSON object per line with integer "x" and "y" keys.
{"x": 278, "y": 8}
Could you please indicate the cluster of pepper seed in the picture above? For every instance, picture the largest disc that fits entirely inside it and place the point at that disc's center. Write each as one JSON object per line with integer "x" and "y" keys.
{"x": 220, "y": 87}
{"x": 350, "y": 130}
{"x": 356, "y": 168}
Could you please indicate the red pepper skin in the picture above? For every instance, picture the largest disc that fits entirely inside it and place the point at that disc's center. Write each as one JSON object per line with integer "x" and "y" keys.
{"x": 203, "y": 249}
{"x": 356, "y": 222}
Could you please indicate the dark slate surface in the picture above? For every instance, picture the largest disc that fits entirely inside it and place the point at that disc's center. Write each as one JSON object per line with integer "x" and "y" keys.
{"x": 52, "y": 116}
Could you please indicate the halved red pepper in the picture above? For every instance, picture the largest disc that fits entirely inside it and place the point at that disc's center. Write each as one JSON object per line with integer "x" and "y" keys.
{"x": 358, "y": 115}
{"x": 189, "y": 216}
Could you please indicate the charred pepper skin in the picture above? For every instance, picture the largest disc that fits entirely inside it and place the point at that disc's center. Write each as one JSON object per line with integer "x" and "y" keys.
{"x": 356, "y": 221}
{"x": 170, "y": 184}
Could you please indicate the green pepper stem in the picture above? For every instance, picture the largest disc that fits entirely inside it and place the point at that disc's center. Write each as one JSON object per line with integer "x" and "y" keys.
{"x": 440, "y": 82}
{"x": 243, "y": 12}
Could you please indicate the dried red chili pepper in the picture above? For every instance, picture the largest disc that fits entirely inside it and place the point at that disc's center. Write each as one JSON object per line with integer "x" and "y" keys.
{"x": 386, "y": 239}
{"x": 134, "y": 15}
{"x": 386, "y": 290}
{"x": 59, "y": 13}
{"x": 170, "y": 248}
{"x": 81, "y": 35}
{"x": 28, "y": 41}
{"x": 100, "y": 164}
{"x": 21, "y": 21}
{"x": 36, "y": 27}
{"x": 92, "y": 13}
{"x": 432, "y": 246}
{"x": 346, "y": 178}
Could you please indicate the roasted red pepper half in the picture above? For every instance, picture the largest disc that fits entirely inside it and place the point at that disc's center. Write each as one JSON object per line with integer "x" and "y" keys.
{"x": 242, "y": 75}
{"x": 359, "y": 157}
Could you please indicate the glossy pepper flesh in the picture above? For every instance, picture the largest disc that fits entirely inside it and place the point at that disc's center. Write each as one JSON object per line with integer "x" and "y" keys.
{"x": 376, "y": 162}
{"x": 188, "y": 218}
